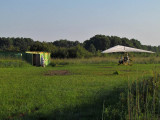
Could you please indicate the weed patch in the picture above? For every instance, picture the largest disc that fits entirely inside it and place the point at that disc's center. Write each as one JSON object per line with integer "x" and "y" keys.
{"x": 142, "y": 98}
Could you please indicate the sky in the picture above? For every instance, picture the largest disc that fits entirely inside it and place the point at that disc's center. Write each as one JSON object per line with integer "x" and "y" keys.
{"x": 50, "y": 20}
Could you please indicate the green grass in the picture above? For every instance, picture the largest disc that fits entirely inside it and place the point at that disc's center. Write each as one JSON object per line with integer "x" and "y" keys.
{"x": 108, "y": 59}
{"x": 26, "y": 93}
{"x": 12, "y": 63}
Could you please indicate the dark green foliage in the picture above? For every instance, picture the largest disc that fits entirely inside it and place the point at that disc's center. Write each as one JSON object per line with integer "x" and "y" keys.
{"x": 60, "y": 53}
{"x": 73, "y": 52}
{"x": 43, "y": 46}
{"x": 115, "y": 41}
{"x": 100, "y": 42}
{"x": 15, "y": 44}
{"x": 92, "y": 49}
{"x": 127, "y": 42}
{"x": 136, "y": 43}
{"x": 116, "y": 73}
{"x": 78, "y": 52}
{"x": 112, "y": 114}
{"x": 52, "y": 64}
{"x": 65, "y": 43}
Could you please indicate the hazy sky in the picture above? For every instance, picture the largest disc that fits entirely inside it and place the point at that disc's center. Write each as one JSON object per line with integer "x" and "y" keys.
{"x": 50, "y": 20}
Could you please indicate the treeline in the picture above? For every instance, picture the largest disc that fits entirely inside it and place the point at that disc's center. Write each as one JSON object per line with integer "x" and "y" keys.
{"x": 72, "y": 49}
{"x": 15, "y": 44}
{"x": 102, "y": 42}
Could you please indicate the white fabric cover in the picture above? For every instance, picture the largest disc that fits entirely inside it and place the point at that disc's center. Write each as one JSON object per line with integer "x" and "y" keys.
{"x": 120, "y": 48}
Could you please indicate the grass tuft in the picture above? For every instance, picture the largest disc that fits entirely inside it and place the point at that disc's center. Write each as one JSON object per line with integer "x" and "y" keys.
{"x": 116, "y": 73}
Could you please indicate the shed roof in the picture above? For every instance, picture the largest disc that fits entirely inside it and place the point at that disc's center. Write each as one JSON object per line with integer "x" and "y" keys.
{"x": 36, "y": 52}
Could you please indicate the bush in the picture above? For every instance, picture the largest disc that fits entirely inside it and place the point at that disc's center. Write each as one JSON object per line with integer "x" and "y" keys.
{"x": 53, "y": 64}
{"x": 116, "y": 73}
{"x": 73, "y": 52}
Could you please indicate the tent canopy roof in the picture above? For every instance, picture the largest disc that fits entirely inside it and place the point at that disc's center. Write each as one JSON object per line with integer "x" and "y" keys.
{"x": 120, "y": 48}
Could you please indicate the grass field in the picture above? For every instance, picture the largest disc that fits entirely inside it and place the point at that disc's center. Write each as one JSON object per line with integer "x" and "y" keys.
{"x": 39, "y": 93}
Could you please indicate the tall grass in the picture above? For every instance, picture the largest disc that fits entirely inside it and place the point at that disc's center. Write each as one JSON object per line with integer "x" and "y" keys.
{"x": 84, "y": 60}
{"x": 147, "y": 60}
{"x": 142, "y": 98}
{"x": 108, "y": 59}
{"x": 12, "y": 62}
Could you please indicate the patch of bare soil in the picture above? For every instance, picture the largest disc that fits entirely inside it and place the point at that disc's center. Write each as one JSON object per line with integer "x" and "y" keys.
{"x": 57, "y": 72}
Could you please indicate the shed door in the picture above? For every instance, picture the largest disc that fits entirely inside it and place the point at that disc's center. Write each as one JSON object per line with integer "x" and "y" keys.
{"x": 36, "y": 59}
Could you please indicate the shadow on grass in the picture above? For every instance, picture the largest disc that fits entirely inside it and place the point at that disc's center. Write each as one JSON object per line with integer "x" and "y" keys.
{"x": 92, "y": 111}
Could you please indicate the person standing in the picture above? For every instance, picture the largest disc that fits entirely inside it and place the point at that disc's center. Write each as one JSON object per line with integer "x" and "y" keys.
{"x": 42, "y": 61}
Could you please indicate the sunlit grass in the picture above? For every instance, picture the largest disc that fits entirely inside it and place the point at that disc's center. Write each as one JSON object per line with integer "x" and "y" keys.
{"x": 108, "y": 59}
{"x": 27, "y": 93}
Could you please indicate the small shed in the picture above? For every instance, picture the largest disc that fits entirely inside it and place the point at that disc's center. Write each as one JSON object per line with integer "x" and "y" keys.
{"x": 35, "y": 58}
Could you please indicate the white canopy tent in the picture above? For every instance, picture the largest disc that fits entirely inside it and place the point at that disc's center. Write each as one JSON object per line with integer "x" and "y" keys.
{"x": 120, "y": 48}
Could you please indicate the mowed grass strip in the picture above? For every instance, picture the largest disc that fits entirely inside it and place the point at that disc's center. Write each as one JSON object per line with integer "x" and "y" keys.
{"x": 27, "y": 93}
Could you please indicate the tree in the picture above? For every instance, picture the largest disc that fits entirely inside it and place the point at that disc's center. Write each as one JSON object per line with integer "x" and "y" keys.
{"x": 78, "y": 52}
{"x": 100, "y": 42}
{"x": 65, "y": 43}
{"x": 15, "y": 44}
{"x": 136, "y": 43}
{"x": 43, "y": 46}
{"x": 127, "y": 42}
{"x": 159, "y": 48}
{"x": 115, "y": 41}
{"x": 92, "y": 49}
